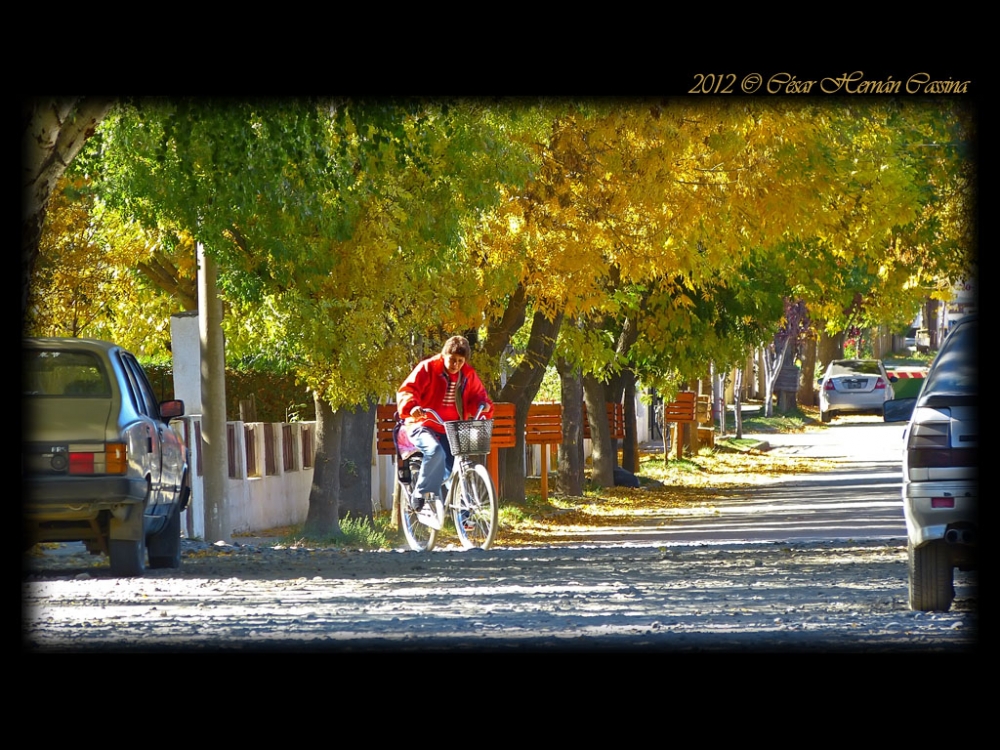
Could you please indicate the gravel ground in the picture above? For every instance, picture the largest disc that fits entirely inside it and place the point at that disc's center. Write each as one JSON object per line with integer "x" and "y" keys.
{"x": 820, "y": 596}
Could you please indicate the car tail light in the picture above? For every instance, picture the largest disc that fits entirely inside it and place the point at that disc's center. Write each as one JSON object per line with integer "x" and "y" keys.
{"x": 81, "y": 463}
{"x": 111, "y": 460}
{"x": 829, "y": 386}
{"x": 115, "y": 458}
{"x": 929, "y": 446}
{"x": 942, "y": 502}
{"x": 879, "y": 384}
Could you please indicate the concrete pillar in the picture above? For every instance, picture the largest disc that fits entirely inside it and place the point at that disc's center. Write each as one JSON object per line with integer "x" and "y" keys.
{"x": 186, "y": 350}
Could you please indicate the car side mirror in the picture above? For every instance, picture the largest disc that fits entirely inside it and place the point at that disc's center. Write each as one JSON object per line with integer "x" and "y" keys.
{"x": 171, "y": 409}
{"x": 899, "y": 409}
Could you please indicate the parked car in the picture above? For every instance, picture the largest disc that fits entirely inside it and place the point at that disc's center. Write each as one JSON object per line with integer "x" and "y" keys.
{"x": 940, "y": 457}
{"x": 922, "y": 340}
{"x": 854, "y": 385}
{"x": 100, "y": 462}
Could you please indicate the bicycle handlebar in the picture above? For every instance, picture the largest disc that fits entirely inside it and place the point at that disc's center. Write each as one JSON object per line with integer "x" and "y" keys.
{"x": 428, "y": 410}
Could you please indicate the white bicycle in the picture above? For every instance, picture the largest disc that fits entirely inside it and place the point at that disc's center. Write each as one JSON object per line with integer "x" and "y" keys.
{"x": 470, "y": 495}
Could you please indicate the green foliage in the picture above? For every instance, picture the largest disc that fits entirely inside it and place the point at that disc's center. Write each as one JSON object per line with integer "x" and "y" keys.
{"x": 277, "y": 397}
{"x": 338, "y": 225}
{"x": 355, "y": 534}
{"x": 349, "y": 230}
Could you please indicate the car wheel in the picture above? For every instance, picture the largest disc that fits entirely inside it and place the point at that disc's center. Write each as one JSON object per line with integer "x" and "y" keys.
{"x": 931, "y": 586}
{"x": 165, "y": 546}
{"x": 128, "y": 557}
{"x": 825, "y": 416}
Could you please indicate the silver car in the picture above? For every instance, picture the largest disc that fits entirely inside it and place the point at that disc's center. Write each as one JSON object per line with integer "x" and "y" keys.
{"x": 940, "y": 457}
{"x": 100, "y": 461}
{"x": 853, "y": 385}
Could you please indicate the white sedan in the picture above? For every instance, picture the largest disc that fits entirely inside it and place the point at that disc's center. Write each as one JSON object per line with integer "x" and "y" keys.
{"x": 854, "y": 385}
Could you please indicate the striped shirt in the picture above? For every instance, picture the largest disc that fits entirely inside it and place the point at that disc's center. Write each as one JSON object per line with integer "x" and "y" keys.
{"x": 449, "y": 411}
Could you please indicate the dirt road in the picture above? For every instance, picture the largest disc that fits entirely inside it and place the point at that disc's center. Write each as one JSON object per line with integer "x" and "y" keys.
{"x": 823, "y": 596}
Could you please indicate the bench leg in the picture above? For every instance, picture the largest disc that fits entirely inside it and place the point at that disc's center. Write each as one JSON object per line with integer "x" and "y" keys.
{"x": 545, "y": 473}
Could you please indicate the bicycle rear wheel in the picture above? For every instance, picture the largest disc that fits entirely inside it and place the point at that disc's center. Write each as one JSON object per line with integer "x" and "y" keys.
{"x": 419, "y": 537}
{"x": 476, "y": 513}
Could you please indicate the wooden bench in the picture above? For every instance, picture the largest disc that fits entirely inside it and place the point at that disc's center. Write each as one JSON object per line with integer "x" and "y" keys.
{"x": 504, "y": 436}
{"x": 682, "y": 409}
{"x": 385, "y": 422}
{"x": 544, "y": 428}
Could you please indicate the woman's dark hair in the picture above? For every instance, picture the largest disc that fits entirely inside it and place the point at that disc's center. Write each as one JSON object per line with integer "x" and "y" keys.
{"x": 457, "y": 345}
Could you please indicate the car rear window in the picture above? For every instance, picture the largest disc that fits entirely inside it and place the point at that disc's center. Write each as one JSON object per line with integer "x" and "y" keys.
{"x": 854, "y": 367}
{"x": 954, "y": 371}
{"x": 72, "y": 374}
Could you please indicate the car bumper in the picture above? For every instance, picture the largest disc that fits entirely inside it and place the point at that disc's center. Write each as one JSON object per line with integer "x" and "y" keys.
{"x": 852, "y": 401}
{"x": 925, "y": 523}
{"x": 66, "y": 498}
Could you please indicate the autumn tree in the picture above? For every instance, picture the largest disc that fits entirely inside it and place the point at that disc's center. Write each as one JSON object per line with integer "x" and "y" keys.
{"x": 98, "y": 276}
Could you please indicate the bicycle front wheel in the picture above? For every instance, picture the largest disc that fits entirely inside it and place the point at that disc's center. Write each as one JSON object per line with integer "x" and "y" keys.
{"x": 476, "y": 514}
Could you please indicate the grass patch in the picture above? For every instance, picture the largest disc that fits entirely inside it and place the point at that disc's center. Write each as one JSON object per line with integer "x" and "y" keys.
{"x": 355, "y": 533}
{"x": 794, "y": 421}
{"x": 910, "y": 359}
{"x": 513, "y": 515}
{"x": 738, "y": 444}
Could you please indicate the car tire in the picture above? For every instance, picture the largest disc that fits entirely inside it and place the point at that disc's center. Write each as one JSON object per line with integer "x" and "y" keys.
{"x": 165, "y": 545}
{"x": 825, "y": 416}
{"x": 931, "y": 584}
{"x": 128, "y": 557}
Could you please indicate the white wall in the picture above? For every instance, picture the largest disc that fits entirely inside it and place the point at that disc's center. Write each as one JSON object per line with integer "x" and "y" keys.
{"x": 254, "y": 503}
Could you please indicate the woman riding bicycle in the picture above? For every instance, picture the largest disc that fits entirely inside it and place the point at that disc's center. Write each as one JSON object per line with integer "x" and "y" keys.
{"x": 447, "y": 384}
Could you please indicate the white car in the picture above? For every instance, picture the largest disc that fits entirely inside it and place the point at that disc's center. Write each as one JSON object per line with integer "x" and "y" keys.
{"x": 853, "y": 385}
{"x": 940, "y": 487}
{"x": 100, "y": 462}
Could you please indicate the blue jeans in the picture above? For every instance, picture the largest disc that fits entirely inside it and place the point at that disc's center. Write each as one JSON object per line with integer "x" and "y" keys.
{"x": 436, "y": 467}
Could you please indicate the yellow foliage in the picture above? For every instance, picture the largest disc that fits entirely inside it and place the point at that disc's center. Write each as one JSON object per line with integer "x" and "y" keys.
{"x": 86, "y": 282}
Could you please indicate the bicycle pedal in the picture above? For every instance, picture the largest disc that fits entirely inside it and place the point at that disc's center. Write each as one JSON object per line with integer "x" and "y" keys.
{"x": 428, "y": 517}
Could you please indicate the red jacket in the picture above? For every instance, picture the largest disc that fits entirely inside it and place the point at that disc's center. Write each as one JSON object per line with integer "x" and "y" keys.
{"x": 426, "y": 386}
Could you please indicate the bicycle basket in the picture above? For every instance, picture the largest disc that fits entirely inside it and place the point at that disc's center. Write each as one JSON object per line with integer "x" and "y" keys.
{"x": 469, "y": 436}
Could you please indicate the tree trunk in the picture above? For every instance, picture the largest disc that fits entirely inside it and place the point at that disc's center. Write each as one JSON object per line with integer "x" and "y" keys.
{"x": 520, "y": 390}
{"x": 787, "y": 383}
{"x": 718, "y": 399}
{"x": 828, "y": 347}
{"x": 772, "y": 366}
{"x": 603, "y": 471}
{"x": 761, "y": 381}
{"x": 324, "y": 496}
{"x": 807, "y": 388}
{"x": 738, "y": 402}
{"x": 932, "y": 322}
{"x": 571, "y": 473}
{"x": 613, "y": 392}
{"x": 500, "y": 332}
{"x": 356, "y": 463}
